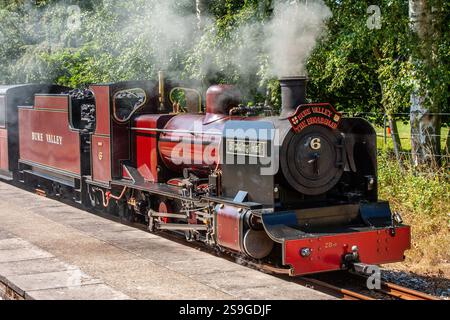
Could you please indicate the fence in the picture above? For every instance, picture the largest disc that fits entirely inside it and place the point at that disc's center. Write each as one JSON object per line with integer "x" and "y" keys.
{"x": 385, "y": 140}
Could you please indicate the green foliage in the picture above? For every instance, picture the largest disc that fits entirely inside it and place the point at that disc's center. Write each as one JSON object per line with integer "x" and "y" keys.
{"x": 424, "y": 194}
{"x": 226, "y": 52}
{"x": 404, "y": 133}
{"x": 363, "y": 69}
{"x": 353, "y": 67}
{"x": 424, "y": 203}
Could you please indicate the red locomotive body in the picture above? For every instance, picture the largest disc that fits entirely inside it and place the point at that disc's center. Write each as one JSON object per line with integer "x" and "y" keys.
{"x": 374, "y": 247}
{"x": 43, "y": 146}
{"x": 10, "y": 98}
{"x": 193, "y": 140}
{"x": 189, "y": 142}
{"x": 4, "y": 150}
{"x": 297, "y": 191}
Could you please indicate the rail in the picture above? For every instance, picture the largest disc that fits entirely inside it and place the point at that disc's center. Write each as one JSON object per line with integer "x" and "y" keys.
{"x": 357, "y": 290}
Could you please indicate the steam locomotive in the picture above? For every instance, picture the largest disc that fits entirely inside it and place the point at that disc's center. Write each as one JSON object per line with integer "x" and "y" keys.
{"x": 295, "y": 191}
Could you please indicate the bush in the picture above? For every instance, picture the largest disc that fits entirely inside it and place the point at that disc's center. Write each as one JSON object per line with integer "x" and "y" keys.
{"x": 424, "y": 202}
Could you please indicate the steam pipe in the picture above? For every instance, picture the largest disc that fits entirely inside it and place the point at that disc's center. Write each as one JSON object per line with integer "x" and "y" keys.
{"x": 161, "y": 90}
{"x": 106, "y": 197}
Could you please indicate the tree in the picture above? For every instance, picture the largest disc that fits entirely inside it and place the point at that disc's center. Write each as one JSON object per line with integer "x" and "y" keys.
{"x": 200, "y": 8}
{"x": 358, "y": 69}
{"x": 363, "y": 69}
{"x": 431, "y": 79}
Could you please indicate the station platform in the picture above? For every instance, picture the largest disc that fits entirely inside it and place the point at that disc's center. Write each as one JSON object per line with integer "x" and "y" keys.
{"x": 51, "y": 251}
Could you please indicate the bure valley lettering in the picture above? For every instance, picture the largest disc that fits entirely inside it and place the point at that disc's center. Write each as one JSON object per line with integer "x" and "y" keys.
{"x": 49, "y": 138}
{"x": 308, "y": 115}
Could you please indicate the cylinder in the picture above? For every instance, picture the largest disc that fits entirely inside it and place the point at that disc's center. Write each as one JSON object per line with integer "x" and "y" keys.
{"x": 293, "y": 94}
{"x": 257, "y": 244}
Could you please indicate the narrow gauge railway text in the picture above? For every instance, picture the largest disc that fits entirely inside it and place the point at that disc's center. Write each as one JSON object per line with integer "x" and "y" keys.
{"x": 49, "y": 138}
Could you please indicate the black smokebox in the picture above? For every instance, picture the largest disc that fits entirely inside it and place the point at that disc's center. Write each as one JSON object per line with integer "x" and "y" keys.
{"x": 293, "y": 94}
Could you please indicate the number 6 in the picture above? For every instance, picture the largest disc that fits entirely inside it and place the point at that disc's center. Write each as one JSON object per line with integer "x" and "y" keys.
{"x": 316, "y": 144}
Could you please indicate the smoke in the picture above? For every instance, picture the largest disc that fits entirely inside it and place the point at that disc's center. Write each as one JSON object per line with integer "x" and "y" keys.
{"x": 292, "y": 35}
{"x": 273, "y": 47}
{"x": 135, "y": 39}
{"x": 168, "y": 28}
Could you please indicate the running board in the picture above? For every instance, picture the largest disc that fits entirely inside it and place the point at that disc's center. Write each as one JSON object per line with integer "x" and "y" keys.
{"x": 49, "y": 177}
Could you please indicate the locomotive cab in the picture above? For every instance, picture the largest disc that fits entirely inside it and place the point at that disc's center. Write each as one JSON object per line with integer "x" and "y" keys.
{"x": 82, "y": 110}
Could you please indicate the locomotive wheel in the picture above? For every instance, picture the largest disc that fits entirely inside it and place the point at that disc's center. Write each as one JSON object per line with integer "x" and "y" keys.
{"x": 189, "y": 235}
{"x": 151, "y": 224}
{"x": 312, "y": 160}
{"x": 125, "y": 213}
{"x": 94, "y": 199}
{"x": 164, "y": 207}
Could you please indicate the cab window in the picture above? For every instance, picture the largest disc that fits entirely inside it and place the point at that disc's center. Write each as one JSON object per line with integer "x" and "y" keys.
{"x": 185, "y": 100}
{"x": 127, "y": 102}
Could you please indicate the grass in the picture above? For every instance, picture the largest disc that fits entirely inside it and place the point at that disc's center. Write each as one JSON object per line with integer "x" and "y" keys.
{"x": 424, "y": 203}
{"x": 404, "y": 131}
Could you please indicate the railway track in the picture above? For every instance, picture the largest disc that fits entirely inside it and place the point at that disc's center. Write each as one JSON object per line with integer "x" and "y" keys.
{"x": 344, "y": 285}
{"x": 355, "y": 288}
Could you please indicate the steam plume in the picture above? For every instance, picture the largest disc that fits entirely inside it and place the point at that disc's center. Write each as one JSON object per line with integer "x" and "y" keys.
{"x": 292, "y": 35}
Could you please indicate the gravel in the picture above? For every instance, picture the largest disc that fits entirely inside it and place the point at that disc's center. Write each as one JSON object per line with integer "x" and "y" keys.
{"x": 433, "y": 285}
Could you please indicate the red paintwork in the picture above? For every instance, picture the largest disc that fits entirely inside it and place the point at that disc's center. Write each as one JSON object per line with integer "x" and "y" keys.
{"x": 147, "y": 144}
{"x": 51, "y": 102}
{"x": 101, "y": 159}
{"x": 102, "y": 109}
{"x": 200, "y": 150}
{"x": 4, "y": 150}
{"x": 178, "y": 147}
{"x": 375, "y": 247}
{"x": 125, "y": 173}
{"x": 182, "y": 149}
{"x": 120, "y": 148}
{"x": 101, "y": 146}
{"x": 165, "y": 208}
{"x": 51, "y": 119}
{"x": 228, "y": 228}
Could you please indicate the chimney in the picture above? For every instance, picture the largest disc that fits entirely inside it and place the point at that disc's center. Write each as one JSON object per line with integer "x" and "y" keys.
{"x": 293, "y": 94}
